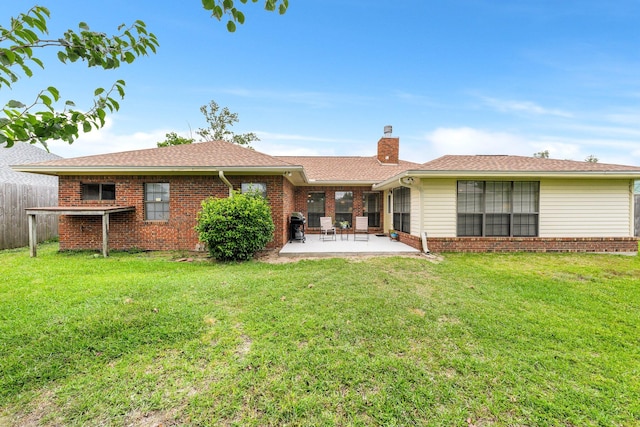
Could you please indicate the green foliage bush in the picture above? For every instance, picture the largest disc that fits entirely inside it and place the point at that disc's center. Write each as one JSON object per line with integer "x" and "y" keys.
{"x": 235, "y": 228}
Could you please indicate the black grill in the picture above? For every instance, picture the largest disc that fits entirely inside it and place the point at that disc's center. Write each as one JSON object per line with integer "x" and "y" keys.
{"x": 296, "y": 227}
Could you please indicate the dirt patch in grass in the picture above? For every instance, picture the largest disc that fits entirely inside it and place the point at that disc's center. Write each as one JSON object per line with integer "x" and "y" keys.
{"x": 272, "y": 257}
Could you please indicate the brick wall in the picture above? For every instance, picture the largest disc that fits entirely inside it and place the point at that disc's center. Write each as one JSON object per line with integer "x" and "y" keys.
{"x": 130, "y": 230}
{"x": 531, "y": 244}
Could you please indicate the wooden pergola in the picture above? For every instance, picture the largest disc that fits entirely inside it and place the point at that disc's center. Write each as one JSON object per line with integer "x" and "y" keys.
{"x": 103, "y": 211}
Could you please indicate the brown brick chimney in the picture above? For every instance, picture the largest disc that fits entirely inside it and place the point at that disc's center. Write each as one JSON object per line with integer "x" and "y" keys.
{"x": 388, "y": 148}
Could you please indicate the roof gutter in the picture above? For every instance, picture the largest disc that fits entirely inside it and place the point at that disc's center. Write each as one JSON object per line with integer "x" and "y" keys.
{"x": 402, "y": 177}
{"x": 226, "y": 181}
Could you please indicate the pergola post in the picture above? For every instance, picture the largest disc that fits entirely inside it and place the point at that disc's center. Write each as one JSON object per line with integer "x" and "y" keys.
{"x": 105, "y": 234}
{"x": 33, "y": 239}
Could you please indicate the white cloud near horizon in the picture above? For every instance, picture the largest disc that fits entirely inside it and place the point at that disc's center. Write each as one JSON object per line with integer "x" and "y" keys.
{"x": 470, "y": 141}
{"x": 107, "y": 140}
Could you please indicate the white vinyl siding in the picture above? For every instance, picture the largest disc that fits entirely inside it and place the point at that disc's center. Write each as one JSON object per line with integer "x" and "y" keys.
{"x": 416, "y": 217}
{"x": 439, "y": 207}
{"x": 585, "y": 208}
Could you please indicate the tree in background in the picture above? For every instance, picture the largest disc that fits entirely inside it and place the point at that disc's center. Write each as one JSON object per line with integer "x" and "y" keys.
{"x": 219, "y": 122}
{"x": 542, "y": 154}
{"x": 38, "y": 120}
{"x": 173, "y": 138}
{"x": 591, "y": 159}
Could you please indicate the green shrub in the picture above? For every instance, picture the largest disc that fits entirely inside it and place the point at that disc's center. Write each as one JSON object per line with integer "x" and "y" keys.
{"x": 235, "y": 228}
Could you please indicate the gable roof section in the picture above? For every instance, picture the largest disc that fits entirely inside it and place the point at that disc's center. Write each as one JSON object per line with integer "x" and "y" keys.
{"x": 189, "y": 158}
{"x": 208, "y": 157}
{"x": 22, "y": 152}
{"x": 521, "y": 167}
{"x": 346, "y": 170}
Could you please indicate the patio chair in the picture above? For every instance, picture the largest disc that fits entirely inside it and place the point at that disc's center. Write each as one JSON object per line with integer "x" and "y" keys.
{"x": 361, "y": 228}
{"x": 327, "y": 230}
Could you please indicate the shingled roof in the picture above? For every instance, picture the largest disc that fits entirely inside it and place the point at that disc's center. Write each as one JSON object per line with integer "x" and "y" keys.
{"x": 494, "y": 163}
{"x": 369, "y": 170}
{"x": 220, "y": 155}
{"x": 22, "y": 152}
{"x": 214, "y": 154}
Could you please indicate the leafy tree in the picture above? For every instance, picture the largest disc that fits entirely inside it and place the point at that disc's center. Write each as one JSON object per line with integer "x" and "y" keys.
{"x": 173, "y": 138}
{"x": 235, "y": 228}
{"x": 591, "y": 159}
{"x": 220, "y": 8}
{"x": 37, "y": 121}
{"x": 542, "y": 154}
{"x": 28, "y": 32}
{"x": 219, "y": 121}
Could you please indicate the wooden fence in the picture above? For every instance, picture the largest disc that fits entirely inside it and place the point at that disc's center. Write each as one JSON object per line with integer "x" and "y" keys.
{"x": 14, "y": 199}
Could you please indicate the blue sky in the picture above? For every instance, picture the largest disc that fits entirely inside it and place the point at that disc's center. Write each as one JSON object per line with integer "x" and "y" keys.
{"x": 455, "y": 77}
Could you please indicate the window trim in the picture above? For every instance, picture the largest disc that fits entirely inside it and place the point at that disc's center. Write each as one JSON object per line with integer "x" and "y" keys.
{"x": 343, "y": 214}
{"x": 313, "y": 218}
{"x": 166, "y": 203}
{"x": 485, "y": 215}
{"x": 402, "y": 201}
{"x": 374, "y": 218}
{"x": 85, "y": 185}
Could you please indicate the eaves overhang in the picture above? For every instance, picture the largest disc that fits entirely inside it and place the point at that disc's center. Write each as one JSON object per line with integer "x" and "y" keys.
{"x": 354, "y": 183}
{"x": 290, "y": 172}
{"x": 393, "y": 181}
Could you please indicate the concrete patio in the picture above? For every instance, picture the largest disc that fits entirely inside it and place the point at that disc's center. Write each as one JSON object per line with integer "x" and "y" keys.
{"x": 344, "y": 245}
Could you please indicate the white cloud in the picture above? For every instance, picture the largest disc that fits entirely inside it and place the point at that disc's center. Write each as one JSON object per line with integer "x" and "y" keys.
{"x": 467, "y": 140}
{"x": 107, "y": 140}
{"x": 526, "y": 107}
{"x": 275, "y": 144}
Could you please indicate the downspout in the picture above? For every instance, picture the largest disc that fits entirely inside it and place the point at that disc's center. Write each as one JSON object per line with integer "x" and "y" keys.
{"x": 226, "y": 181}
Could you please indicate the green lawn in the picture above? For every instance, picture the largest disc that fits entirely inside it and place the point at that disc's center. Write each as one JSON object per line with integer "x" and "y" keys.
{"x": 477, "y": 339}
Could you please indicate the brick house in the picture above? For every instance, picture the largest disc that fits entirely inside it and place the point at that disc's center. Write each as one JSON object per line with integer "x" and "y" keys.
{"x": 148, "y": 199}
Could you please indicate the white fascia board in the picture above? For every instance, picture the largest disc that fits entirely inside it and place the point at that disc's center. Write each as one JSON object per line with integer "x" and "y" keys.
{"x": 172, "y": 170}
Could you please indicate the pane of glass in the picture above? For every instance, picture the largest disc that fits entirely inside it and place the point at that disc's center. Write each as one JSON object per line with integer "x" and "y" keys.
{"x": 397, "y": 225}
{"x": 344, "y": 202}
{"x": 374, "y": 219}
{"x": 406, "y": 223}
{"x": 108, "y": 191}
{"x": 525, "y": 225}
{"x": 498, "y": 197}
{"x": 148, "y": 192}
{"x": 497, "y": 225}
{"x": 313, "y": 219}
{"x": 315, "y": 208}
{"x": 91, "y": 191}
{"x": 343, "y": 217}
{"x": 470, "y": 196}
{"x": 259, "y": 188}
{"x": 315, "y": 203}
{"x": 164, "y": 192}
{"x": 636, "y": 186}
{"x": 469, "y": 225}
{"x": 526, "y": 196}
{"x": 371, "y": 208}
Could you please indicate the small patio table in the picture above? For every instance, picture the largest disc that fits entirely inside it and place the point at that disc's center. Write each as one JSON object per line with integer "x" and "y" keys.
{"x": 344, "y": 233}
